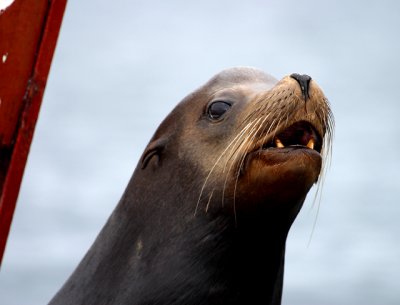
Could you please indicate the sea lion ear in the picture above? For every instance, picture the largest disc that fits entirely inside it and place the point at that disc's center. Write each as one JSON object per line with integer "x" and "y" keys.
{"x": 154, "y": 149}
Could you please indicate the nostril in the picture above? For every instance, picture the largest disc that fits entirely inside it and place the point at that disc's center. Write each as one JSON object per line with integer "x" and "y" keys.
{"x": 304, "y": 82}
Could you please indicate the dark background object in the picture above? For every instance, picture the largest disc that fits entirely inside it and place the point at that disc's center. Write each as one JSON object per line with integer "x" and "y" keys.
{"x": 28, "y": 36}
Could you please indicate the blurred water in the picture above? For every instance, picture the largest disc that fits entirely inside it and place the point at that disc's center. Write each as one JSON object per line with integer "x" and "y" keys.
{"x": 121, "y": 67}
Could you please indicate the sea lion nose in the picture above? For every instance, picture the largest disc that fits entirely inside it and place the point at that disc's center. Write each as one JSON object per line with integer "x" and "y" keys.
{"x": 304, "y": 82}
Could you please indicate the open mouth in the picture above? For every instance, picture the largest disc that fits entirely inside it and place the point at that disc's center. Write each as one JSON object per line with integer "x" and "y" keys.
{"x": 301, "y": 135}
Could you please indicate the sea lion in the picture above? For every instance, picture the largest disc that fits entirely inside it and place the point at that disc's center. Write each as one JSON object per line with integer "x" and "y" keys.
{"x": 205, "y": 216}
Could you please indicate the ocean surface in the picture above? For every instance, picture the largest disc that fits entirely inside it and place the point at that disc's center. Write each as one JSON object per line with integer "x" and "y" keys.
{"x": 121, "y": 66}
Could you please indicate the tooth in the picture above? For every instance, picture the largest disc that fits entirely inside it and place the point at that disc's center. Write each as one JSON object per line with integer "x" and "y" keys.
{"x": 310, "y": 144}
{"x": 278, "y": 143}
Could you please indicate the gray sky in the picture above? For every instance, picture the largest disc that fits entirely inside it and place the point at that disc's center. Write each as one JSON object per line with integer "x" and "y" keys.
{"x": 121, "y": 66}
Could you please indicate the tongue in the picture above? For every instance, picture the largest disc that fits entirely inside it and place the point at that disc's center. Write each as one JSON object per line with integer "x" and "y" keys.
{"x": 297, "y": 134}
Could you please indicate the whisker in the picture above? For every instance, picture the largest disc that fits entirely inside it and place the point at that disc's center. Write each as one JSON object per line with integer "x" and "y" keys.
{"x": 215, "y": 164}
{"x": 209, "y": 200}
{"x": 240, "y": 164}
{"x": 236, "y": 152}
{"x": 326, "y": 154}
{"x": 234, "y": 149}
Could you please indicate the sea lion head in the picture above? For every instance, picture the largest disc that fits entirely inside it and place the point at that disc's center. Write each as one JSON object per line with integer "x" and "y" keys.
{"x": 243, "y": 142}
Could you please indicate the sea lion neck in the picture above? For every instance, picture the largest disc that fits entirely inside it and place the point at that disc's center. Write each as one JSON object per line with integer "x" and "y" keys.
{"x": 167, "y": 250}
{"x": 214, "y": 254}
{"x": 210, "y": 255}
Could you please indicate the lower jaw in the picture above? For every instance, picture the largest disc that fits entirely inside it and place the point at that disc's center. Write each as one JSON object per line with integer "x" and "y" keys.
{"x": 292, "y": 154}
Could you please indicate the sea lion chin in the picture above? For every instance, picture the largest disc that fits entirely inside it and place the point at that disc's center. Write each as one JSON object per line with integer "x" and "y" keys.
{"x": 205, "y": 217}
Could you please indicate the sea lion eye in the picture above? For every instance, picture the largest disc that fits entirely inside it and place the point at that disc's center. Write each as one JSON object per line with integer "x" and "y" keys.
{"x": 217, "y": 109}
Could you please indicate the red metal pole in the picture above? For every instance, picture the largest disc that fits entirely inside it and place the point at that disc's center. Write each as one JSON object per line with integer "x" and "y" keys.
{"x": 28, "y": 37}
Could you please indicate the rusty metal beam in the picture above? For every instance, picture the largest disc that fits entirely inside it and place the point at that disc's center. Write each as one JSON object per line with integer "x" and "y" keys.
{"x": 28, "y": 37}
